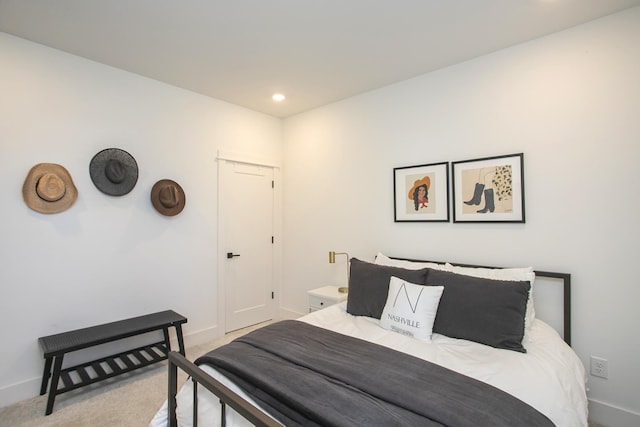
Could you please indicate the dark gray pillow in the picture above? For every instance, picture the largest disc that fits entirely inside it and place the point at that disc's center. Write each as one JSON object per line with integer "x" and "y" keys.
{"x": 369, "y": 286}
{"x": 487, "y": 311}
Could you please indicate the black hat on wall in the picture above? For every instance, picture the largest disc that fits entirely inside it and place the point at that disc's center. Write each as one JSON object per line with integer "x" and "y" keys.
{"x": 114, "y": 171}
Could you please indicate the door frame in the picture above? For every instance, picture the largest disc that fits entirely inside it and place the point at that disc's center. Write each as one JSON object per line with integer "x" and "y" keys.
{"x": 233, "y": 157}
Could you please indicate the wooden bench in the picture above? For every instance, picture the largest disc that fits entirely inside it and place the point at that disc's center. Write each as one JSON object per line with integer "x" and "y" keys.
{"x": 54, "y": 348}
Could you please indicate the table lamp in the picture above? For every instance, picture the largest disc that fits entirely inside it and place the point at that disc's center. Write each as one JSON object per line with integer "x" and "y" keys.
{"x": 332, "y": 260}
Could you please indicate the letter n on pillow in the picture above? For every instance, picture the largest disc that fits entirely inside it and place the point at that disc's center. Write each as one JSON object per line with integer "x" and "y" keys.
{"x": 411, "y": 309}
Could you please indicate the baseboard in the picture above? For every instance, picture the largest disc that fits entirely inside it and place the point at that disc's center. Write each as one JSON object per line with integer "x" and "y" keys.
{"x": 607, "y": 415}
{"x": 203, "y": 336}
{"x": 285, "y": 313}
{"x": 13, "y": 393}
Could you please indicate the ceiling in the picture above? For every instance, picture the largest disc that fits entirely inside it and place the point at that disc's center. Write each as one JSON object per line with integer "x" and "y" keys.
{"x": 313, "y": 51}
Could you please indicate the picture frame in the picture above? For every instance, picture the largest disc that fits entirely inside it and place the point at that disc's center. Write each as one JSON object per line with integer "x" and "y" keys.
{"x": 489, "y": 189}
{"x": 409, "y": 206}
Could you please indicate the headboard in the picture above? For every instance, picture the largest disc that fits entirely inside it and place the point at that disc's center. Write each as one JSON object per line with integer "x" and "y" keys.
{"x": 552, "y": 302}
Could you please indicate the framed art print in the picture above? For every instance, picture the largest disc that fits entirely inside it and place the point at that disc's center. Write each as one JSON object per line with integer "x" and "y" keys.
{"x": 489, "y": 189}
{"x": 420, "y": 193}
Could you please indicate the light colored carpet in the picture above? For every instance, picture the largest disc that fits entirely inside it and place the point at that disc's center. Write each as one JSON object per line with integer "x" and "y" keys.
{"x": 128, "y": 400}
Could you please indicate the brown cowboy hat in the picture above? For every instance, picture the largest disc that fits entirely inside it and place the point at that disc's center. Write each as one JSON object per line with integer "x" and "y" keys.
{"x": 168, "y": 197}
{"x": 114, "y": 171}
{"x": 49, "y": 189}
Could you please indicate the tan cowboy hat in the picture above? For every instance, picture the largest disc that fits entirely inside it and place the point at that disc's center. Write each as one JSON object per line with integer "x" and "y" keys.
{"x": 168, "y": 197}
{"x": 424, "y": 181}
{"x": 114, "y": 171}
{"x": 49, "y": 189}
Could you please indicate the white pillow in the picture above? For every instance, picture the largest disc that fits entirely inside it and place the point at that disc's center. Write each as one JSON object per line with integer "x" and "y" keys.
{"x": 510, "y": 274}
{"x": 409, "y": 265}
{"x": 411, "y": 309}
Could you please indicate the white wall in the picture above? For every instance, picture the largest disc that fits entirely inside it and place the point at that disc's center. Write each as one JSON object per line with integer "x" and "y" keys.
{"x": 571, "y": 103}
{"x": 107, "y": 258}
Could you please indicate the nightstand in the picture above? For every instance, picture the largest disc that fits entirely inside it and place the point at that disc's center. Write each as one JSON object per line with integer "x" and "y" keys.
{"x": 323, "y": 297}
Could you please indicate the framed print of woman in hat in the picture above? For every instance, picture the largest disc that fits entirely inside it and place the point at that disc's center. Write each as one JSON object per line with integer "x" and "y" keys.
{"x": 421, "y": 193}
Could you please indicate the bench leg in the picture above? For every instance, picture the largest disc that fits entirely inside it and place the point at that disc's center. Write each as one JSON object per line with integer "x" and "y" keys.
{"x": 57, "y": 367}
{"x": 46, "y": 375}
{"x": 180, "y": 339}
{"x": 167, "y": 343}
{"x": 178, "y": 335}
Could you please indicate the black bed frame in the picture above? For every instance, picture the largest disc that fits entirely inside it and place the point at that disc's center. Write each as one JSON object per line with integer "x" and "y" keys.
{"x": 259, "y": 418}
{"x": 226, "y": 395}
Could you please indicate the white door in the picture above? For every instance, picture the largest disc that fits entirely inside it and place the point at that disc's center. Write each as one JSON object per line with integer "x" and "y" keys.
{"x": 246, "y": 209}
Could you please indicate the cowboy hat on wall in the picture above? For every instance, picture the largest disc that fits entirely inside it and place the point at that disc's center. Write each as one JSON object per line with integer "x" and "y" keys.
{"x": 114, "y": 171}
{"x": 167, "y": 197}
{"x": 49, "y": 189}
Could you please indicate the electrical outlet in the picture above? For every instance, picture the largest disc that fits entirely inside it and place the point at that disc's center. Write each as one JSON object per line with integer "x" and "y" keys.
{"x": 599, "y": 367}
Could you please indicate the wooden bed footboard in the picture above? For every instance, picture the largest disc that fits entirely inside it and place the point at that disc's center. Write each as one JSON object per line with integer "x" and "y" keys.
{"x": 226, "y": 395}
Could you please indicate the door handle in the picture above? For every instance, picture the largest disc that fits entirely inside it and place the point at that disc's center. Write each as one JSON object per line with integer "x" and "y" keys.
{"x": 231, "y": 255}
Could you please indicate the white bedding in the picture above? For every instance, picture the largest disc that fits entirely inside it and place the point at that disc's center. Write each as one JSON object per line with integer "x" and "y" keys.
{"x": 549, "y": 377}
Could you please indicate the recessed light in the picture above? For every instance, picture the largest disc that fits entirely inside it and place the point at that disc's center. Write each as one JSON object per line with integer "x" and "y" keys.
{"x": 278, "y": 97}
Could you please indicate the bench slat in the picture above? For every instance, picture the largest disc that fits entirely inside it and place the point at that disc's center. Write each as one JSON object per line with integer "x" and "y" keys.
{"x": 113, "y": 365}
{"x": 140, "y": 357}
{"x": 127, "y": 361}
{"x": 98, "y": 368}
{"x": 150, "y": 350}
{"x": 66, "y": 379}
{"x": 84, "y": 376}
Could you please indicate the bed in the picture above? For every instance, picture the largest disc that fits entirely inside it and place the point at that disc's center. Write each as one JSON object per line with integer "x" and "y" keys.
{"x": 416, "y": 343}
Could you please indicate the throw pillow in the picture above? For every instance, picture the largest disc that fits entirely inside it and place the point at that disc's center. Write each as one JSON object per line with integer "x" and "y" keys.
{"x": 369, "y": 286}
{"x": 411, "y": 309}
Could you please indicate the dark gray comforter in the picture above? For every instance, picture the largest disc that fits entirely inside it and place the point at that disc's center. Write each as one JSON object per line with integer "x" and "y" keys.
{"x": 305, "y": 375}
